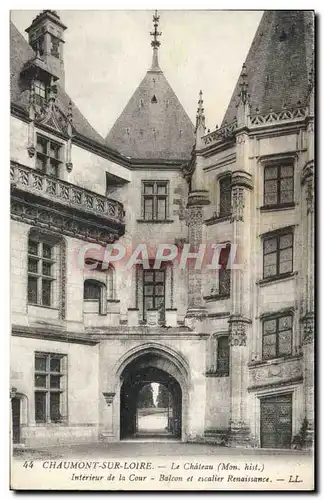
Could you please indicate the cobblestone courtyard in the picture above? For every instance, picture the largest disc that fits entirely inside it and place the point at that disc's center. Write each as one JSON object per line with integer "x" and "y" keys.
{"x": 141, "y": 448}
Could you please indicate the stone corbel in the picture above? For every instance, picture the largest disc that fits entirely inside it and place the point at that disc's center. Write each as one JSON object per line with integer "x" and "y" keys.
{"x": 31, "y": 151}
{"x": 109, "y": 397}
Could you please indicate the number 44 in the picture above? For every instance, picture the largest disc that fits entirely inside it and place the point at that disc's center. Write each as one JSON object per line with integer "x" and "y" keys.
{"x": 28, "y": 464}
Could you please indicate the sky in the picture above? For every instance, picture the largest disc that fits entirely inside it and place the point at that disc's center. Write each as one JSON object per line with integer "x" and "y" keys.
{"x": 107, "y": 53}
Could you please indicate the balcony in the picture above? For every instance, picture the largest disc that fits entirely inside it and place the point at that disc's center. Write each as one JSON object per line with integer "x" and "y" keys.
{"x": 83, "y": 213}
{"x": 34, "y": 181}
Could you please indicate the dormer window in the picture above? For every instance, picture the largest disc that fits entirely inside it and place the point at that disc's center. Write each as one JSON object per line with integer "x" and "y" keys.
{"x": 40, "y": 92}
{"x": 48, "y": 157}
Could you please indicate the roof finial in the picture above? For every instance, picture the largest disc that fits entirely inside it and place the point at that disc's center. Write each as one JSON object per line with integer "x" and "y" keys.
{"x": 200, "y": 118}
{"x": 155, "y": 43}
{"x": 243, "y": 95}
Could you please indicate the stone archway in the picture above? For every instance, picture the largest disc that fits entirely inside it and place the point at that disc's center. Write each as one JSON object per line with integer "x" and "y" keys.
{"x": 148, "y": 364}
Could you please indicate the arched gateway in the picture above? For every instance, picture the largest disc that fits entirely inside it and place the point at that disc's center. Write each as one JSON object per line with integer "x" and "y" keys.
{"x": 153, "y": 364}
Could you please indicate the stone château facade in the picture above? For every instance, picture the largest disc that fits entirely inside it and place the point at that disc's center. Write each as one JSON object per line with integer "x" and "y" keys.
{"x": 233, "y": 346}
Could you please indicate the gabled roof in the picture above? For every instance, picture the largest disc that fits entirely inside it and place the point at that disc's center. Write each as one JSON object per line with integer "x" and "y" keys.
{"x": 278, "y": 63}
{"x": 20, "y": 53}
{"x": 153, "y": 125}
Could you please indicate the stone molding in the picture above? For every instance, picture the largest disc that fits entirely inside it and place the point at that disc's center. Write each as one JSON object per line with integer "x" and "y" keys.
{"x": 109, "y": 397}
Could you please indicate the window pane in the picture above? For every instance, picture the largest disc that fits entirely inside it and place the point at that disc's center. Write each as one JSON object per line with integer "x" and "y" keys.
{"x": 54, "y": 150}
{"x": 55, "y": 382}
{"x": 41, "y": 145}
{"x": 40, "y": 406}
{"x": 270, "y": 326}
{"x": 159, "y": 302}
{"x": 161, "y": 208}
{"x": 269, "y": 346}
{"x": 225, "y": 195}
{"x": 148, "y": 303}
{"x": 286, "y": 196}
{"x": 148, "y": 290}
{"x": 32, "y": 290}
{"x": 270, "y": 259}
{"x": 55, "y": 413}
{"x": 270, "y": 245}
{"x": 41, "y": 162}
{"x": 224, "y": 282}
{"x": 270, "y": 172}
{"x": 32, "y": 265}
{"x": 159, "y": 290}
{"x": 285, "y": 323}
{"x": 148, "y": 276}
{"x": 161, "y": 189}
{"x": 148, "y": 188}
{"x": 223, "y": 355}
{"x": 55, "y": 365}
{"x": 285, "y": 342}
{"x": 92, "y": 290}
{"x": 53, "y": 168}
{"x": 40, "y": 380}
{"x": 285, "y": 261}
{"x": 286, "y": 171}
{"x": 40, "y": 363}
{"x": 148, "y": 208}
{"x": 271, "y": 198}
{"x": 286, "y": 241}
{"x": 270, "y": 271}
{"x": 32, "y": 247}
{"x": 46, "y": 292}
{"x": 270, "y": 192}
{"x": 159, "y": 276}
{"x": 47, "y": 251}
{"x": 47, "y": 269}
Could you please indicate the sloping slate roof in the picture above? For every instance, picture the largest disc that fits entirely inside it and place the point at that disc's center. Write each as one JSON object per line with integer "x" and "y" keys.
{"x": 20, "y": 53}
{"x": 153, "y": 130}
{"x": 278, "y": 63}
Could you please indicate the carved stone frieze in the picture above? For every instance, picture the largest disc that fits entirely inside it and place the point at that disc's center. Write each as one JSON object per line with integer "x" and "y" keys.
{"x": 237, "y": 203}
{"x": 109, "y": 397}
{"x": 237, "y": 332}
{"x": 308, "y": 328}
{"x": 60, "y": 223}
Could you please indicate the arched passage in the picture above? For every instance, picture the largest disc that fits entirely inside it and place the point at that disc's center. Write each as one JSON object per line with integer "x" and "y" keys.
{"x": 151, "y": 367}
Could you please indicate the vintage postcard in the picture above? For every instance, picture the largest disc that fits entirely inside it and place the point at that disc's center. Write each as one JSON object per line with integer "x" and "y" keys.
{"x": 162, "y": 250}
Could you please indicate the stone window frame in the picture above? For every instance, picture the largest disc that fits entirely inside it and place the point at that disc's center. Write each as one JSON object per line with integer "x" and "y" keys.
{"x": 40, "y": 91}
{"x": 155, "y": 196}
{"x": 220, "y": 179}
{"x": 278, "y": 233}
{"x": 215, "y": 290}
{"x": 102, "y": 299}
{"x": 154, "y": 284}
{"x": 57, "y": 261}
{"x": 278, "y": 160}
{"x": 48, "y": 373}
{"x": 277, "y": 316}
{"x": 47, "y": 157}
{"x": 213, "y": 369}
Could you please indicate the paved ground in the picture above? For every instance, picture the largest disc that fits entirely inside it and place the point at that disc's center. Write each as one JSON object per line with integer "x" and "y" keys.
{"x": 138, "y": 448}
{"x": 156, "y": 422}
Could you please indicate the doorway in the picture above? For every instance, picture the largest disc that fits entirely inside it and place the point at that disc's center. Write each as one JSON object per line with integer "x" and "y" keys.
{"x": 276, "y": 421}
{"x": 15, "y": 406}
{"x": 150, "y": 402}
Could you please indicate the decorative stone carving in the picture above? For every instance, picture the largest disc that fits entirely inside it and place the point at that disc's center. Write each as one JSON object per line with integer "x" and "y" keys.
{"x": 308, "y": 330}
{"x": 272, "y": 117}
{"x": 13, "y": 392}
{"x": 237, "y": 203}
{"x": 240, "y": 139}
{"x": 237, "y": 333}
{"x": 109, "y": 397}
{"x": 63, "y": 279}
{"x": 31, "y": 151}
{"x": 28, "y": 179}
{"x": 60, "y": 222}
{"x": 69, "y": 167}
{"x": 220, "y": 134}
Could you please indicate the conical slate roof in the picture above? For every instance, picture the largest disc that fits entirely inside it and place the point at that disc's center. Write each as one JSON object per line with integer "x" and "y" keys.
{"x": 20, "y": 53}
{"x": 153, "y": 125}
{"x": 278, "y": 63}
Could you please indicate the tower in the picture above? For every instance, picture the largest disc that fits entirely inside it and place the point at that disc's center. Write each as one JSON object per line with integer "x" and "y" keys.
{"x": 46, "y": 36}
